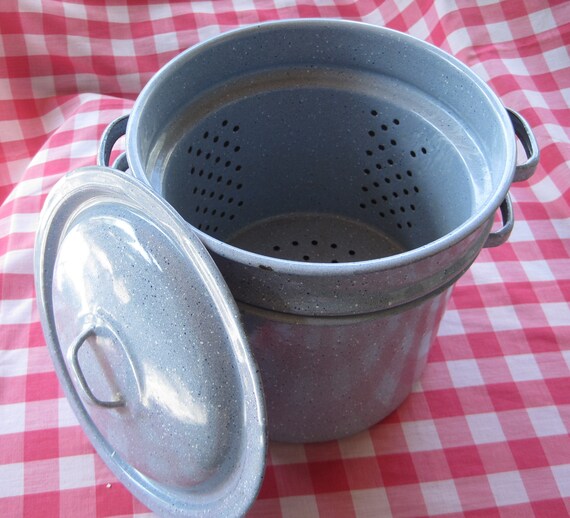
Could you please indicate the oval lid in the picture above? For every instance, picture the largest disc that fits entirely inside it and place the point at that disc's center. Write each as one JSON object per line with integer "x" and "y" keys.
{"x": 146, "y": 341}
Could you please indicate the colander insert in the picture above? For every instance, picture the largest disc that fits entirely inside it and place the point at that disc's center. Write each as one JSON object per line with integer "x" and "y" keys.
{"x": 320, "y": 165}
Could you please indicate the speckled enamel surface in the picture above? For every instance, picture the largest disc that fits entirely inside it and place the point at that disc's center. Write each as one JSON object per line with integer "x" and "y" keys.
{"x": 162, "y": 336}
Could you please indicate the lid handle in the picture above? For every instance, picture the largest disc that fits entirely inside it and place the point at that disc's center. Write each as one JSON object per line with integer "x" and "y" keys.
{"x": 74, "y": 353}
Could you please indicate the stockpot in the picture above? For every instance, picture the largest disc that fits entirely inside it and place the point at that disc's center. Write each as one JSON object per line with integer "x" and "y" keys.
{"x": 301, "y": 198}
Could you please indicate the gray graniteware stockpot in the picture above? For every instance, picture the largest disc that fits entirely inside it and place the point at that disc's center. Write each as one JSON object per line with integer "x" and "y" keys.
{"x": 328, "y": 181}
{"x": 343, "y": 177}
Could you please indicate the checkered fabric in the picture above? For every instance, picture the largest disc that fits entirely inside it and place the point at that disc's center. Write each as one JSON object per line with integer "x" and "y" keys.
{"x": 485, "y": 430}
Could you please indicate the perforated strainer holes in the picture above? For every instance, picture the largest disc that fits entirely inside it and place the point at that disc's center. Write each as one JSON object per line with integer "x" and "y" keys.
{"x": 390, "y": 190}
{"x": 214, "y": 170}
{"x": 315, "y": 250}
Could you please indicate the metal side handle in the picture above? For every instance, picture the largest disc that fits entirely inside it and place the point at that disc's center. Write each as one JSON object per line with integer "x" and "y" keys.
{"x": 500, "y": 236}
{"x": 524, "y": 133}
{"x": 78, "y": 372}
{"x": 113, "y": 132}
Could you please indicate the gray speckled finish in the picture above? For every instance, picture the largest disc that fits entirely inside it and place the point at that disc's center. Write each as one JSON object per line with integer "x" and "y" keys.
{"x": 343, "y": 177}
{"x": 327, "y": 378}
{"x": 144, "y": 336}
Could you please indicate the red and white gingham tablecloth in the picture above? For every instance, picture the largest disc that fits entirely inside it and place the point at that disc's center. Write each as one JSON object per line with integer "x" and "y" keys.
{"x": 485, "y": 430}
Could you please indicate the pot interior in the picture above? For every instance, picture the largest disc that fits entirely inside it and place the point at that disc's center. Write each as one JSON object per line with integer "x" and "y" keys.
{"x": 318, "y": 163}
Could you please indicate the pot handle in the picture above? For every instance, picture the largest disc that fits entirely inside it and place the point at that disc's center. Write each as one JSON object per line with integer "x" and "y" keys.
{"x": 113, "y": 132}
{"x": 500, "y": 236}
{"x": 74, "y": 357}
{"x": 524, "y": 133}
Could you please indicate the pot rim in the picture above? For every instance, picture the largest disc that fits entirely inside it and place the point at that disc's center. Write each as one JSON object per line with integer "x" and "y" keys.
{"x": 475, "y": 221}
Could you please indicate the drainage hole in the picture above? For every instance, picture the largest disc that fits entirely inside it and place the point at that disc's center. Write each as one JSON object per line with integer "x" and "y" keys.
{"x": 219, "y": 179}
{"x": 351, "y": 252}
{"x": 232, "y": 216}
{"x": 295, "y": 243}
{"x": 376, "y": 184}
{"x": 412, "y": 206}
{"x": 205, "y": 211}
{"x": 398, "y": 176}
{"x": 406, "y": 192}
{"x": 424, "y": 151}
{"x": 373, "y": 201}
{"x": 240, "y": 203}
{"x": 396, "y": 122}
{"x": 364, "y": 188}
{"x": 367, "y": 171}
{"x": 236, "y": 129}
{"x": 228, "y": 183}
{"x": 190, "y": 149}
{"x": 409, "y": 173}
{"x": 201, "y": 173}
{"x": 210, "y": 175}
{"x": 369, "y": 152}
{"x": 217, "y": 160}
{"x": 212, "y": 194}
{"x": 193, "y": 170}
{"x": 202, "y": 192}
{"x": 390, "y": 161}
{"x": 205, "y": 135}
{"x": 226, "y": 143}
{"x": 409, "y": 224}
{"x": 239, "y": 186}
{"x": 387, "y": 180}
{"x": 334, "y": 245}
{"x": 306, "y": 257}
{"x": 236, "y": 149}
{"x": 216, "y": 138}
{"x": 334, "y": 261}
{"x": 314, "y": 242}
{"x": 199, "y": 152}
{"x": 384, "y": 127}
{"x": 362, "y": 205}
{"x": 384, "y": 197}
{"x": 374, "y": 113}
{"x": 228, "y": 163}
{"x": 413, "y": 153}
{"x": 378, "y": 166}
{"x": 402, "y": 209}
{"x": 395, "y": 194}
{"x": 197, "y": 208}
{"x": 238, "y": 167}
{"x": 372, "y": 133}
{"x": 393, "y": 212}
{"x": 230, "y": 200}
{"x": 381, "y": 147}
{"x": 416, "y": 189}
{"x": 277, "y": 248}
{"x": 381, "y": 214}
{"x": 195, "y": 190}
{"x": 224, "y": 123}
{"x": 399, "y": 225}
{"x": 393, "y": 142}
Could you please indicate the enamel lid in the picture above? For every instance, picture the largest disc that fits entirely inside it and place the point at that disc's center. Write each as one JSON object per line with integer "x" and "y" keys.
{"x": 146, "y": 341}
